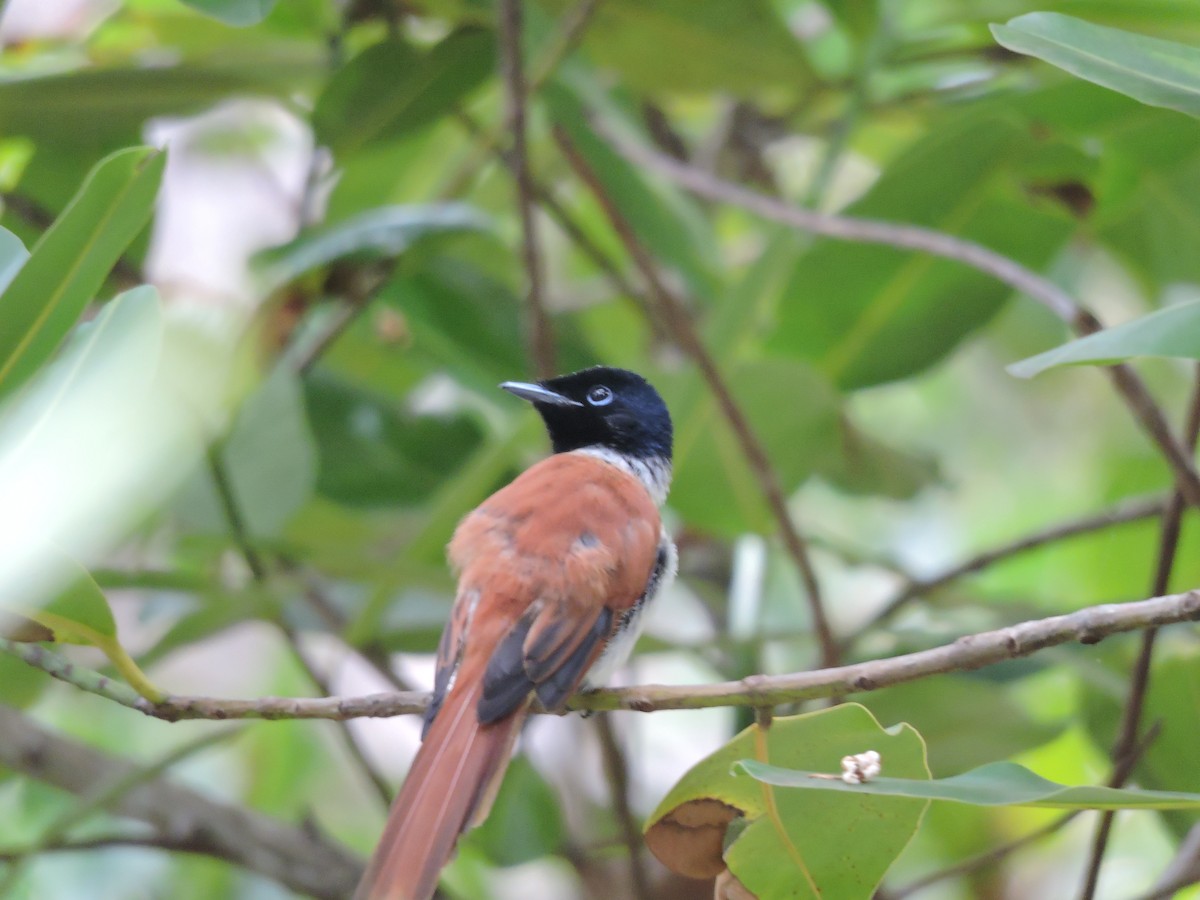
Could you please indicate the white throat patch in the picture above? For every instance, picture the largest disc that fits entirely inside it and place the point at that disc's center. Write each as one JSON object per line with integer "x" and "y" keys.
{"x": 654, "y": 472}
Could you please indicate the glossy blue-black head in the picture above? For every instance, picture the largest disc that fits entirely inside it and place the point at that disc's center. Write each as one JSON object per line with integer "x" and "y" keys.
{"x": 614, "y": 409}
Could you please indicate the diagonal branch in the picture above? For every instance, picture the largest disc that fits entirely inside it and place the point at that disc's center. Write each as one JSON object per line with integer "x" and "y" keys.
{"x": 1127, "y": 511}
{"x": 678, "y": 322}
{"x": 914, "y": 237}
{"x": 189, "y": 821}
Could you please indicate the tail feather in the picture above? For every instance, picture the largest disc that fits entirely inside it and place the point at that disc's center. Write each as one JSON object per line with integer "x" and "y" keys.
{"x": 449, "y": 788}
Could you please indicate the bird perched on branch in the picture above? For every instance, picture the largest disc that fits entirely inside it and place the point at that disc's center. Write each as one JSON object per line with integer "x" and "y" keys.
{"x": 554, "y": 572}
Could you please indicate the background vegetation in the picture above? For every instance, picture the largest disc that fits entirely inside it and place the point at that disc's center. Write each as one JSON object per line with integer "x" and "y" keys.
{"x": 248, "y": 388}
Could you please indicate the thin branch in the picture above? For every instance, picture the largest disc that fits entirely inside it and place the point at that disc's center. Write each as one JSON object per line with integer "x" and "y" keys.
{"x": 914, "y": 237}
{"x": 356, "y": 287}
{"x": 233, "y": 513}
{"x": 290, "y": 855}
{"x": 565, "y": 221}
{"x": 103, "y": 795}
{"x": 1127, "y": 511}
{"x": 540, "y": 334}
{"x": 241, "y": 537}
{"x": 1088, "y": 626}
{"x": 1139, "y": 681}
{"x": 380, "y": 784}
{"x": 1183, "y": 871}
{"x": 679, "y": 324}
{"x": 617, "y": 773}
{"x": 571, "y": 28}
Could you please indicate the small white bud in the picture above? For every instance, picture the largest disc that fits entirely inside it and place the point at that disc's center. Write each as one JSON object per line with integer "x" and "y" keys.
{"x": 861, "y": 767}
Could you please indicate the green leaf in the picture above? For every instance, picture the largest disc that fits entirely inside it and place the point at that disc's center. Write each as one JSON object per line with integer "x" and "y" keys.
{"x": 863, "y": 315}
{"x": 20, "y": 684}
{"x": 374, "y": 453}
{"x": 526, "y": 821}
{"x": 996, "y": 784}
{"x": 234, "y": 12}
{"x": 714, "y": 487}
{"x": 1156, "y": 72}
{"x": 665, "y": 45}
{"x": 384, "y": 232}
{"x": 1174, "y": 331}
{"x": 461, "y": 317}
{"x": 668, "y": 223}
{"x": 80, "y": 615}
{"x": 70, "y": 262}
{"x": 966, "y": 721}
{"x": 845, "y": 844}
{"x": 102, "y": 108}
{"x": 12, "y": 256}
{"x": 269, "y": 459}
{"x": 392, "y": 88}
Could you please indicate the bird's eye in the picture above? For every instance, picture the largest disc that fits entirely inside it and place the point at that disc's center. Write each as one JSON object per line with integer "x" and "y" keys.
{"x": 600, "y": 396}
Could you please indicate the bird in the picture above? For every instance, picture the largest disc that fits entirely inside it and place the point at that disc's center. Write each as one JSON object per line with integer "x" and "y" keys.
{"x": 554, "y": 571}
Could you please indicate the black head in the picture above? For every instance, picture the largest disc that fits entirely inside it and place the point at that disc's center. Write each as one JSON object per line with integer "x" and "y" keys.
{"x": 601, "y": 407}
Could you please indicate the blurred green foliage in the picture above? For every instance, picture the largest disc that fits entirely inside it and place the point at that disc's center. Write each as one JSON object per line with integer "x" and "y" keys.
{"x": 361, "y": 418}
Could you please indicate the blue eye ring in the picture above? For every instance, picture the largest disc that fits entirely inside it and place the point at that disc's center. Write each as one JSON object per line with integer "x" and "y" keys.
{"x": 600, "y": 396}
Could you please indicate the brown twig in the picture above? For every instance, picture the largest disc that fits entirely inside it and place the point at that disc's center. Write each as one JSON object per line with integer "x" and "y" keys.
{"x": 1139, "y": 681}
{"x": 540, "y": 334}
{"x": 914, "y": 237}
{"x": 380, "y": 784}
{"x": 617, "y": 773}
{"x": 565, "y": 221}
{"x": 679, "y": 324}
{"x": 1126, "y": 511}
{"x": 1088, "y": 625}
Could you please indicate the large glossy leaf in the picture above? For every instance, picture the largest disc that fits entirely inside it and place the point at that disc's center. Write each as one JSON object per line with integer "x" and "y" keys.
{"x": 393, "y": 88}
{"x": 269, "y": 460}
{"x": 1174, "y": 331}
{"x": 106, "y": 107}
{"x": 374, "y": 453}
{"x": 845, "y": 844}
{"x": 68, "y": 265}
{"x": 668, "y": 223}
{"x": 863, "y": 314}
{"x": 714, "y": 487}
{"x": 526, "y": 821}
{"x": 996, "y": 784}
{"x": 383, "y": 232}
{"x": 1157, "y": 72}
{"x": 966, "y": 721}
{"x": 80, "y": 614}
{"x": 12, "y": 256}
{"x": 661, "y": 45}
{"x": 234, "y": 12}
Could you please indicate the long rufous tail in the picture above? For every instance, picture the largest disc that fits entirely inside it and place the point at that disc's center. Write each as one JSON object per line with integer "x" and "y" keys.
{"x": 449, "y": 788}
